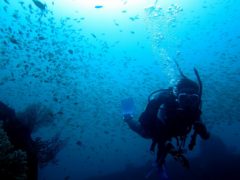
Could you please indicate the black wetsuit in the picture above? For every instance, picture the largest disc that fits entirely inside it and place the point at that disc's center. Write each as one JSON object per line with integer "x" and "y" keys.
{"x": 163, "y": 120}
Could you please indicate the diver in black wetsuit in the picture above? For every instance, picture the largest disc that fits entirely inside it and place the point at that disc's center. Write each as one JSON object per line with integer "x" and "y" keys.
{"x": 20, "y": 137}
{"x": 171, "y": 114}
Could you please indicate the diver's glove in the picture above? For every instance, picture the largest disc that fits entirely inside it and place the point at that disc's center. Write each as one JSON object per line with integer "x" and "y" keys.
{"x": 201, "y": 129}
{"x": 127, "y": 108}
{"x": 193, "y": 141}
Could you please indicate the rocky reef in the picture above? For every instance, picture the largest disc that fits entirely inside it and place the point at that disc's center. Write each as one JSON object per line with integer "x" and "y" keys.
{"x": 13, "y": 162}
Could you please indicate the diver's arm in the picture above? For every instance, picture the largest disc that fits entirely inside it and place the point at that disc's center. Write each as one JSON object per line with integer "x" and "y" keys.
{"x": 201, "y": 129}
{"x": 147, "y": 118}
{"x": 135, "y": 125}
{"x": 151, "y": 111}
{"x": 154, "y": 104}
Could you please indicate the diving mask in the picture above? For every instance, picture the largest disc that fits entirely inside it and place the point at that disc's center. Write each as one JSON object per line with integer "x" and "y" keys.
{"x": 187, "y": 100}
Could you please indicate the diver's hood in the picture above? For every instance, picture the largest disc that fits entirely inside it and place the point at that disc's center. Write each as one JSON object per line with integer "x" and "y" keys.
{"x": 186, "y": 78}
{"x": 183, "y": 78}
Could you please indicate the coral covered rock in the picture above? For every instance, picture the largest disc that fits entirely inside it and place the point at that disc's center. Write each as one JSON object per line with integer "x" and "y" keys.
{"x": 13, "y": 163}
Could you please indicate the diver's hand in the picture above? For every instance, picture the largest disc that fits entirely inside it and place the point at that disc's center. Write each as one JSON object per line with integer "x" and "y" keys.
{"x": 202, "y": 130}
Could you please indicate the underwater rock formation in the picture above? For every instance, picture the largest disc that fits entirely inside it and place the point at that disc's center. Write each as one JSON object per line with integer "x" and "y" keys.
{"x": 13, "y": 162}
{"x": 215, "y": 161}
{"x": 20, "y": 154}
{"x": 48, "y": 149}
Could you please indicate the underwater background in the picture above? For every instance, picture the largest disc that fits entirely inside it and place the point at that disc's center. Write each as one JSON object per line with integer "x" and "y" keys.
{"x": 80, "y": 58}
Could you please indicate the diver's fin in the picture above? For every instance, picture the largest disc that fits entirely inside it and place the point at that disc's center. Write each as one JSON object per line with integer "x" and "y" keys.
{"x": 128, "y": 106}
{"x": 160, "y": 170}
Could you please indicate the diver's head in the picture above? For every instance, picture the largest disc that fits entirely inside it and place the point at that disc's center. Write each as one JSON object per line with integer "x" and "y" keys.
{"x": 187, "y": 94}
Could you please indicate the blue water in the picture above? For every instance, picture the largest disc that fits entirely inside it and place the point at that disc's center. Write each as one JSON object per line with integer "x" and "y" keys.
{"x": 81, "y": 59}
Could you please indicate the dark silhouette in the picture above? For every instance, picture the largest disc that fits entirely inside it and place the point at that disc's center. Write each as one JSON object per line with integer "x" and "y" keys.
{"x": 20, "y": 136}
{"x": 19, "y": 133}
{"x": 172, "y": 113}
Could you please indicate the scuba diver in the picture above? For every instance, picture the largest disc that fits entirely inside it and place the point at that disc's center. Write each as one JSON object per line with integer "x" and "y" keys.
{"x": 170, "y": 113}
